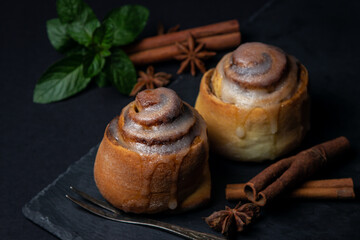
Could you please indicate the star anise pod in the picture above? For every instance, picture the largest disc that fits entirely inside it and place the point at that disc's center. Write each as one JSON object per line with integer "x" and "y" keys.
{"x": 161, "y": 29}
{"x": 192, "y": 55}
{"x": 150, "y": 79}
{"x": 227, "y": 220}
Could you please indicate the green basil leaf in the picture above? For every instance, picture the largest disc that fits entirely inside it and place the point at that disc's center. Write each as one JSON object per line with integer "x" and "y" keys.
{"x": 101, "y": 80}
{"x": 62, "y": 80}
{"x": 104, "y": 35}
{"x": 128, "y": 22}
{"x": 80, "y": 18}
{"x": 58, "y": 36}
{"x": 93, "y": 64}
{"x": 121, "y": 71}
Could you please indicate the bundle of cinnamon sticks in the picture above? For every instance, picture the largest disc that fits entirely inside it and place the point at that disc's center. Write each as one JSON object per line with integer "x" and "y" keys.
{"x": 218, "y": 36}
{"x": 285, "y": 176}
{"x": 342, "y": 188}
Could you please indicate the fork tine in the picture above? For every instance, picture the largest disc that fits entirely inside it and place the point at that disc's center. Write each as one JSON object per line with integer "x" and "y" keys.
{"x": 95, "y": 201}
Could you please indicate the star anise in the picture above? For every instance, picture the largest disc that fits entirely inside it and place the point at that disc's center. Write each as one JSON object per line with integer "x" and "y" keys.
{"x": 228, "y": 220}
{"x": 150, "y": 79}
{"x": 192, "y": 55}
{"x": 161, "y": 29}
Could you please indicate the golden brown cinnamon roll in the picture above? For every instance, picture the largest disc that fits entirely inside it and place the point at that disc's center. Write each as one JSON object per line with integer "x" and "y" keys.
{"x": 154, "y": 156}
{"x": 255, "y": 103}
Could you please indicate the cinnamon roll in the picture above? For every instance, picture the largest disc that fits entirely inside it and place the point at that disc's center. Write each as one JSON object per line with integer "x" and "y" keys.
{"x": 255, "y": 103}
{"x": 154, "y": 156}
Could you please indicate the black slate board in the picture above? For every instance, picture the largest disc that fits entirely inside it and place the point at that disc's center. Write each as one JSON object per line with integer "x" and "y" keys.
{"x": 291, "y": 219}
{"x": 327, "y": 47}
{"x": 52, "y": 211}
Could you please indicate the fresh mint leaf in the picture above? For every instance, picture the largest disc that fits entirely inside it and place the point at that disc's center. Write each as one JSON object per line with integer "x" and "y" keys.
{"x": 80, "y": 19}
{"x": 62, "y": 80}
{"x": 77, "y": 50}
{"x": 82, "y": 31}
{"x": 105, "y": 53}
{"x": 86, "y": 43}
{"x": 104, "y": 35}
{"x": 68, "y": 10}
{"x": 93, "y": 64}
{"x": 58, "y": 36}
{"x": 128, "y": 22}
{"x": 121, "y": 71}
{"x": 101, "y": 80}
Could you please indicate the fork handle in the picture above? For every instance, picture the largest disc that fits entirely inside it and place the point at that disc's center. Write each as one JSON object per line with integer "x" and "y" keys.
{"x": 184, "y": 232}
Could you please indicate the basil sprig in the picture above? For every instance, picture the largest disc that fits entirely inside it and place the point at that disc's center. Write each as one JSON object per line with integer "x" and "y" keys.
{"x": 91, "y": 49}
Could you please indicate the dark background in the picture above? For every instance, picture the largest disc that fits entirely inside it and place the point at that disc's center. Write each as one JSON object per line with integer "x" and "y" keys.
{"x": 38, "y": 142}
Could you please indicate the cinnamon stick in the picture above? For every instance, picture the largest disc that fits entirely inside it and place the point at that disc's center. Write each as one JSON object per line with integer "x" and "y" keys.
{"x": 342, "y": 188}
{"x": 288, "y": 172}
{"x": 324, "y": 193}
{"x": 165, "y": 53}
{"x": 198, "y": 32}
{"x": 329, "y": 183}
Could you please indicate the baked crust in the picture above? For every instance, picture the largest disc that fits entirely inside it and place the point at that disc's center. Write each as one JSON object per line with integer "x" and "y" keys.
{"x": 144, "y": 183}
{"x": 247, "y": 134}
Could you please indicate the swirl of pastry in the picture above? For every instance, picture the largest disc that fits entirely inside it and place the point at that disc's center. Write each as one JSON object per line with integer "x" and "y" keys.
{"x": 258, "y": 100}
{"x": 256, "y": 65}
{"x": 158, "y": 117}
{"x": 153, "y": 157}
